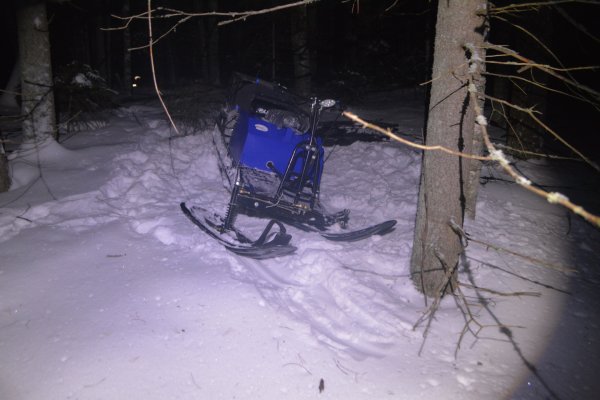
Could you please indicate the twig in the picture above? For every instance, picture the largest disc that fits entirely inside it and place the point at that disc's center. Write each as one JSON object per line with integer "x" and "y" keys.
{"x": 553, "y": 71}
{"x": 268, "y": 10}
{"x": 542, "y": 86}
{"x": 173, "y": 13}
{"x": 536, "y": 5}
{"x": 531, "y": 112}
{"x": 440, "y": 291}
{"x": 298, "y": 364}
{"x": 397, "y": 138}
{"x": 536, "y": 154}
{"x": 504, "y": 294}
{"x": 532, "y": 260}
{"x": 551, "y": 197}
{"x": 576, "y": 24}
{"x": 469, "y": 319}
{"x": 150, "y": 47}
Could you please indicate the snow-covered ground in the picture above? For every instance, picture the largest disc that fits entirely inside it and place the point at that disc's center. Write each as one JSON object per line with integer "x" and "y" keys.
{"x": 107, "y": 291}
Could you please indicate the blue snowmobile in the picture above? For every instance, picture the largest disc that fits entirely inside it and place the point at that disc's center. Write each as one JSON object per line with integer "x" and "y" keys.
{"x": 271, "y": 157}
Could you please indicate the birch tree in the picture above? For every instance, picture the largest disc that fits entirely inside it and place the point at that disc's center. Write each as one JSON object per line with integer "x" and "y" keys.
{"x": 445, "y": 177}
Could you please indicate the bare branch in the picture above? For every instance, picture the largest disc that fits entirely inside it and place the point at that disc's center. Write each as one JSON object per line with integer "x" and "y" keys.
{"x": 173, "y": 13}
{"x": 553, "y": 71}
{"x": 150, "y": 47}
{"x": 531, "y": 112}
{"x": 542, "y": 86}
{"x": 551, "y": 197}
{"x": 576, "y": 24}
{"x": 532, "y": 260}
{"x": 497, "y": 293}
{"x": 247, "y": 14}
{"x": 397, "y": 138}
{"x": 535, "y": 5}
{"x": 536, "y": 154}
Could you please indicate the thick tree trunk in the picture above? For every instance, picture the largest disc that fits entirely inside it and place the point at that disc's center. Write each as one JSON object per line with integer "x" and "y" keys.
{"x": 302, "y": 69}
{"x": 37, "y": 104}
{"x": 444, "y": 177}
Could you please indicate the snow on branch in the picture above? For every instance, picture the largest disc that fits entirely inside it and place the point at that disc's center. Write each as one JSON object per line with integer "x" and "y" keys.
{"x": 554, "y": 198}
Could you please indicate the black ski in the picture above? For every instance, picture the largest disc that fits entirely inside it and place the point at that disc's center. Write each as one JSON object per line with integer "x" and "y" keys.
{"x": 266, "y": 246}
{"x": 352, "y": 236}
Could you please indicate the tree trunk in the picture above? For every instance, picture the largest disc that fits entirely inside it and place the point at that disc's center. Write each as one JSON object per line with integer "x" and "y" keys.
{"x": 8, "y": 98}
{"x": 472, "y": 171}
{"x": 203, "y": 46}
{"x": 444, "y": 177}
{"x": 100, "y": 54}
{"x": 4, "y": 177}
{"x": 127, "y": 78}
{"x": 37, "y": 108}
{"x": 302, "y": 70}
{"x": 214, "y": 66}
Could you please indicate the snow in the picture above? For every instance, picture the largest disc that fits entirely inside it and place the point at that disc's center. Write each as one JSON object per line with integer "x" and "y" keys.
{"x": 82, "y": 80}
{"x": 108, "y": 291}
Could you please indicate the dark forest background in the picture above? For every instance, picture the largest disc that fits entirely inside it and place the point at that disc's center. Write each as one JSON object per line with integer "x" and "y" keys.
{"x": 368, "y": 46}
{"x": 355, "y": 47}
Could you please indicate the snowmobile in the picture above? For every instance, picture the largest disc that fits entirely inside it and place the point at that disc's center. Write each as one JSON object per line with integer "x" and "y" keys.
{"x": 271, "y": 157}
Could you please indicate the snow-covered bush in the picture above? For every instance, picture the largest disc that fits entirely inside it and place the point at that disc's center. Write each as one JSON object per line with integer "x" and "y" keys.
{"x": 82, "y": 97}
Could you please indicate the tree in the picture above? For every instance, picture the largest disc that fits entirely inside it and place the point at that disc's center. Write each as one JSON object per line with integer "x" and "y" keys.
{"x": 301, "y": 54}
{"x": 127, "y": 78}
{"x": 445, "y": 178}
{"x": 37, "y": 101}
{"x": 214, "y": 65}
{"x": 522, "y": 133}
{"x": 8, "y": 98}
{"x": 4, "y": 177}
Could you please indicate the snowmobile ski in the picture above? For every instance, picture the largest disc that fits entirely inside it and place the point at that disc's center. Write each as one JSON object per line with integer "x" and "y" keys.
{"x": 268, "y": 245}
{"x": 353, "y": 236}
{"x": 350, "y": 236}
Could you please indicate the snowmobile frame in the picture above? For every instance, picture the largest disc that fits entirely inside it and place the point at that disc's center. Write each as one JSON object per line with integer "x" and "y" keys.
{"x": 271, "y": 156}
{"x": 278, "y": 155}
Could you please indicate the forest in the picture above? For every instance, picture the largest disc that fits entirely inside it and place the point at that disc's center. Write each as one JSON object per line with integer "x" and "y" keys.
{"x": 471, "y": 125}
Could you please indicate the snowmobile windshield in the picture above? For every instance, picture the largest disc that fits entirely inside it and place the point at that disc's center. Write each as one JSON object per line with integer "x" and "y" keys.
{"x": 279, "y": 116}
{"x": 272, "y": 102}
